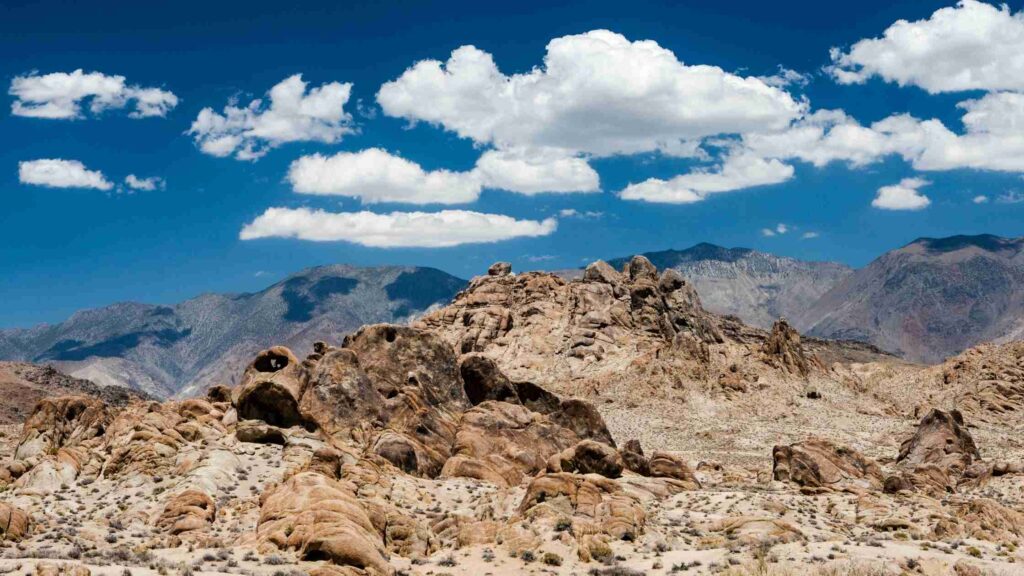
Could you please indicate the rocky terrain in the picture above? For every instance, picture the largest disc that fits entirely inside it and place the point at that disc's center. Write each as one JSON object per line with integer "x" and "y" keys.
{"x": 182, "y": 349}
{"x": 23, "y": 385}
{"x": 608, "y": 425}
{"x": 930, "y": 299}
{"x": 757, "y": 287}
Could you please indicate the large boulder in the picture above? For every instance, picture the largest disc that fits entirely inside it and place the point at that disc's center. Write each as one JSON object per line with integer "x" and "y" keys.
{"x": 593, "y": 504}
{"x": 501, "y": 443}
{"x": 669, "y": 465}
{"x": 818, "y": 463}
{"x": 483, "y": 380}
{"x": 339, "y": 395}
{"x": 588, "y": 457}
{"x": 937, "y": 455}
{"x": 187, "y": 511}
{"x": 321, "y": 519}
{"x": 784, "y": 350}
{"x": 271, "y": 388}
{"x": 15, "y": 523}
{"x": 583, "y": 419}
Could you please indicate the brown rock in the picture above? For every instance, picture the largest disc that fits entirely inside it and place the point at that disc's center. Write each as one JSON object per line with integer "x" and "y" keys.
{"x": 936, "y": 456}
{"x": 321, "y": 519}
{"x": 61, "y": 421}
{"x": 339, "y": 395}
{"x": 784, "y": 350}
{"x": 259, "y": 432}
{"x": 633, "y": 458}
{"x": 818, "y": 463}
{"x": 271, "y": 388}
{"x": 588, "y": 457}
{"x": 483, "y": 380}
{"x": 15, "y": 523}
{"x": 668, "y": 465}
{"x": 583, "y": 419}
{"x": 500, "y": 269}
{"x": 596, "y": 505}
{"x": 188, "y": 511}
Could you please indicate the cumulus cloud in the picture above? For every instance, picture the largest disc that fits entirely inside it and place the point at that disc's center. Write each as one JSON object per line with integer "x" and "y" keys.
{"x": 574, "y": 213}
{"x": 980, "y": 199}
{"x": 533, "y": 171}
{"x": 902, "y": 196}
{"x": 737, "y": 171}
{"x": 972, "y": 46}
{"x": 60, "y": 95}
{"x": 59, "y": 173}
{"x": 397, "y": 229}
{"x": 147, "y": 184}
{"x": 374, "y": 175}
{"x": 293, "y": 115}
{"x": 596, "y": 93}
{"x": 1011, "y": 197}
{"x": 809, "y": 235}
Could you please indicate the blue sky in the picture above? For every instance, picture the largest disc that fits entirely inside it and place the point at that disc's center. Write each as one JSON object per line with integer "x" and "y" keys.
{"x": 77, "y": 235}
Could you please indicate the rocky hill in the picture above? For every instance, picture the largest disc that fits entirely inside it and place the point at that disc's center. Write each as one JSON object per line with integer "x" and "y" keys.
{"x": 23, "y": 385}
{"x": 757, "y": 287}
{"x": 607, "y": 425}
{"x": 930, "y": 299}
{"x": 184, "y": 348}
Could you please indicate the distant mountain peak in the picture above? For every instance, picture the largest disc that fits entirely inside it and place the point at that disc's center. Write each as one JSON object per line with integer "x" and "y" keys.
{"x": 988, "y": 242}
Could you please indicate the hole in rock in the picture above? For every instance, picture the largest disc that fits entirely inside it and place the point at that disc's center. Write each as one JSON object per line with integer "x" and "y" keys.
{"x": 270, "y": 362}
{"x": 390, "y": 334}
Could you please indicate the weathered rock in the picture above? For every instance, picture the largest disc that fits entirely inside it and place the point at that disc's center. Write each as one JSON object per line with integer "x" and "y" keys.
{"x": 339, "y": 395}
{"x": 271, "y": 389}
{"x": 583, "y": 419}
{"x": 818, "y": 463}
{"x": 783, "y": 349}
{"x": 633, "y": 458}
{"x": 259, "y": 432}
{"x": 588, "y": 457}
{"x": 595, "y": 505}
{"x": 321, "y": 519}
{"x": 188, "y": 511}
{"x": 501, "y": 442}
{"x": 536, "y": 398}
{"x": 601, "y": 271}
{"x": 15, "y": 523}
{"x": 218, "y": 393}
{"x": 640, "y": 268}
{"x": 668, "y": 465}
{"x": 500, "y": 269}
{"x": 483, "y": 380}
{"x": 936, "y": 456}
{"x": 59, "y": 422}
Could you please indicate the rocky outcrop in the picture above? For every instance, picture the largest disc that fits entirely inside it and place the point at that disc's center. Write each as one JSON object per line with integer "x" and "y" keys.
{"x": 188, "y": 511}
{"x": 819, "y": 464}
{"x": 936, "y": 456}
{"x": 588, "y": 457}
{"x": 59, "y": 422}
{"x": 271, "y": 388}
{"x": 669, "y": 465}
{"x": 783, "y": 349}
{"x": 321, "y": 519}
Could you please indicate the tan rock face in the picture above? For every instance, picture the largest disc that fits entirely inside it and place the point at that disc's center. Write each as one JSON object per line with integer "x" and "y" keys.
{"x": 818, "y": 463}
{"x": 15, "y": 523}
{"x": 784, "y": 350}
{"x": 59, "y": 422}
{"x": 594, "y": 504}
{"x": 668, "y": 465}
{"x": 188, "y": 511}
{"x": 588, "y": 457}
{"x": 321, "y": 519}
{"x": 936, "y": 456}
{"x": 271, "y": 388}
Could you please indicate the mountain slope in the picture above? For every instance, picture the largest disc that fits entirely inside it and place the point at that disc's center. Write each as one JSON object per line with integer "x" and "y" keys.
{"x": 929, "y": 299}
{"x": 182, "y": 349}
{"x": 757, "y": 287}
{"x": 22, "y": 385}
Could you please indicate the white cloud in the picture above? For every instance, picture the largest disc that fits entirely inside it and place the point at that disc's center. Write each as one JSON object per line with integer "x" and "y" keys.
{"x": 58, "y": 173}
{"x": 980, "y": 199}
{"x": 533, "y": 171}
{"x": 585, "y": 215}
{"x": 397, "y": 229}
{"x": 972, "y": 46}
{"x": 596, "y": 93}
{"x": 293, "y": 115}
{"x": 779, "y": 229}
{"x": 786, "y": 77}
{"x": 902, "y": 196}
{"x": 809, "y": 235}
{"x": 374, "y": 175}
{"x": 737, "y": 171}
{"x": 60, "y": 95}
{"x": 148, "y": 184}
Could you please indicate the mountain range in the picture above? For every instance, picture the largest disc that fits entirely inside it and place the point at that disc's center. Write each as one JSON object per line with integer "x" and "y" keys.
{"x": 925, "y": 301}
{"x": 180, "y": 350}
